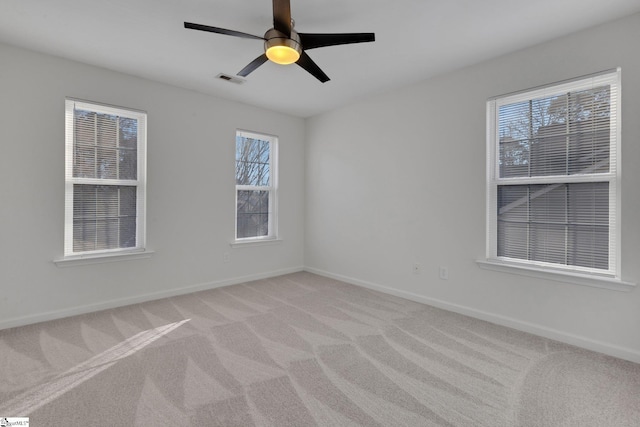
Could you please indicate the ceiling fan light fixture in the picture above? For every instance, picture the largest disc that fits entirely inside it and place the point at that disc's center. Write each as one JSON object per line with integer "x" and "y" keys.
{"x": 282, "y": 54}
{"x": 282, "y": 49}
{"x": 284, "y": 45}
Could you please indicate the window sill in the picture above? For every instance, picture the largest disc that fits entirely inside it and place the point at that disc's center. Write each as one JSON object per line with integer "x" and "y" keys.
{"x": 73, "y": 261}
{"x": 254, "y": 242}
{"x": 558, "y": 276}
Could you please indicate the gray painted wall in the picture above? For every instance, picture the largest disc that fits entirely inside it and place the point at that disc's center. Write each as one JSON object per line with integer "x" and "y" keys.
{"x": 399, "y": 179}
{"x": 191, "y": 195}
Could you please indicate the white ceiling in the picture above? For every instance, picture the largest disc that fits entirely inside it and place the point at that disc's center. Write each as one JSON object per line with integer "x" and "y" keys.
{"x": 415, "y": 39}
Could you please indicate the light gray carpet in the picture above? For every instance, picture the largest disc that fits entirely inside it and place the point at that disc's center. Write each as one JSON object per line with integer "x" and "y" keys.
{"x": 303, "y": 350}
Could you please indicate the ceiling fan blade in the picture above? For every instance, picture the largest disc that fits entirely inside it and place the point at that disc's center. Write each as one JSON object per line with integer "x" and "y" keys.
{"x": 200, "y": 27}
{"x": 253, "y": 65}
{"x": 282, "y": 16}
{"x": 312, "y": 41}
{"x": 307, "y": 63}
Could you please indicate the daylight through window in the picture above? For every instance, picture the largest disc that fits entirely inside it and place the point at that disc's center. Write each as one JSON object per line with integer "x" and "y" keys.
{"x": 256, "y": 157}
{"x": 553, "y": 176}
{"x": 105, "y": 179}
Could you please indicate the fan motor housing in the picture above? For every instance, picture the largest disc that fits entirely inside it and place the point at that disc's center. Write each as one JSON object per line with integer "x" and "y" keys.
{"x": 278, "y": 40}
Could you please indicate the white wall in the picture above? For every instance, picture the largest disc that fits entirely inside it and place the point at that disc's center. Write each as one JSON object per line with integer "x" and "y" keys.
{"x": 190, "y": 210}
{"x": 400, "y": 178}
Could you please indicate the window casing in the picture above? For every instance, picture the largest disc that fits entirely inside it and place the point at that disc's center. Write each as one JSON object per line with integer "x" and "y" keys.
{"x": 105, "y": 180}
{"x": 553, "y": 177}
{"x": 256, "y": 187}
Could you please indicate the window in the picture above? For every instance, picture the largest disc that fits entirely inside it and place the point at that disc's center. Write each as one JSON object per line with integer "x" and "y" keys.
{"x": 553, "y": 177}
{"x": 104, "y": 179}
{"x": 256, "y": 176}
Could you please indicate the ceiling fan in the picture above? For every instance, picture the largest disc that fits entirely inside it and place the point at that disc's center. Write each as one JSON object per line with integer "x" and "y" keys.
{"x": 284, "y": 45}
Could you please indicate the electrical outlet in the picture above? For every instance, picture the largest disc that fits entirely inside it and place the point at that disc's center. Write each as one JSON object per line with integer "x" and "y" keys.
{"x": 444, "y": 273}
{"x": 226, "y": 257}
{"x": 416, "y": 268}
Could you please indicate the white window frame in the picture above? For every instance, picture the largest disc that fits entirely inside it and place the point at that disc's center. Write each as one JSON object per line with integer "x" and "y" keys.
{"x": 610, "y": 278}
{"x": 140, "y": 183}
{"x": 272, "y": 188}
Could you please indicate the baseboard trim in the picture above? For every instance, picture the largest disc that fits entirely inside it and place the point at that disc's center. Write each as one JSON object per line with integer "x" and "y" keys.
{"x": 121, "y": 302}
{"x": 543, "y": 331}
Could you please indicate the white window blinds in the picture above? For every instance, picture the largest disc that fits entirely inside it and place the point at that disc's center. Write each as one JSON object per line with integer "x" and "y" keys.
{"x": 105, "y": 179}
{"x": 553, "y": 175}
